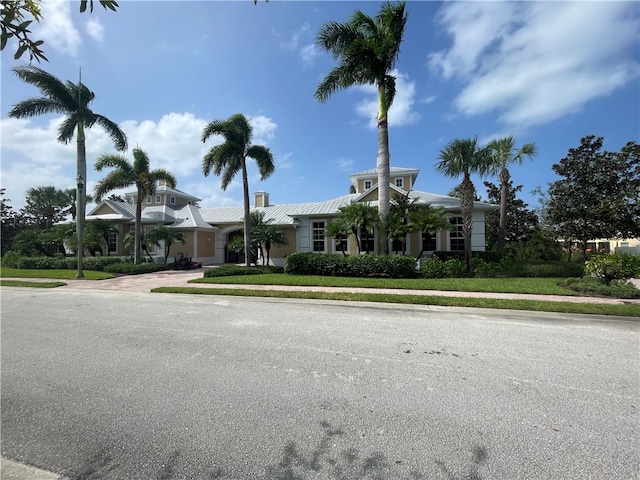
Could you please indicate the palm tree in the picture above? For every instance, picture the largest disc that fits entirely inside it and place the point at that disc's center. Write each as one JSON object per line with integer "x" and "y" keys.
{"x": 70, "y": 195}
{"x": 367, "y": 49}
{"x": 265, "y": 234}
{"x": 71, "y": 100}
{"x": 46, "y": 204}
{"x": 97, "y": 233}
{"x": 130, "y": 242}
{"x": 504, "y": 153}
{"x": 463, "y": 156}
{"x": 166, "y": 235}
{"x": 361, "y": 217}
{"x": 427, "y": 219}
{"x": 127, "y": 174}
{"x": 230, "y": 157}
{"x": 399, "y": 222}
{"x": 339, "y": 230}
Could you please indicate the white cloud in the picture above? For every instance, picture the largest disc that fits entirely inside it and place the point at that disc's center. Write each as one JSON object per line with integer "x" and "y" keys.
{"x": 294, "y": 40}
{"x": 95, "y": 29}
{"x": 535, "y": 62}
{"x": 57, "y": 29}
{"x": 400, "y": 113}
{"x": 308, "y": 54}
{"x": 263, "y": 129}
{"x": 32, "y": 156}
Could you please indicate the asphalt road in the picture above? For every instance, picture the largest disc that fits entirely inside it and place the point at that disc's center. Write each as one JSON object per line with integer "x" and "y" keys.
{"x": 112, "y": 385}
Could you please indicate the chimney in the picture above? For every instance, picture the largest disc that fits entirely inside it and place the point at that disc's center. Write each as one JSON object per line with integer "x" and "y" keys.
{"x": 261, "y": 199}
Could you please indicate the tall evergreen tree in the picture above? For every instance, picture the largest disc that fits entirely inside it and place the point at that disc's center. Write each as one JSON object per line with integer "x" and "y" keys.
{"x": 521, "y": 222}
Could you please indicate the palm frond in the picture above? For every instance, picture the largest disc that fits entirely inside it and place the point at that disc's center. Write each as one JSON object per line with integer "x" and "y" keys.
{"x": 114, "y": 161}
{"x": 114, "y": 180}
{"x": 49, "y": 85}
{"x": 166, "y": 175}
{"x": 32, "y": 107}
{"x": 264, "y": 158}
{"x": 115, "y": 133}
{"x": 140, "y": 161}
{"x": 67, "y": 128}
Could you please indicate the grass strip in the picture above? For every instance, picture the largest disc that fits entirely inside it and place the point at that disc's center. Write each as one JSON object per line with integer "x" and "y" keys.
{"x": 539, "y": 286}
{"x": 52, "y": 273}
{"x": 530, "y": 305}
{"x": 22, "y": 283}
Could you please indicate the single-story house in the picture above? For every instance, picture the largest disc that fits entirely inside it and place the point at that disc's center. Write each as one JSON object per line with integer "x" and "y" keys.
{"x": 208, "y": 231}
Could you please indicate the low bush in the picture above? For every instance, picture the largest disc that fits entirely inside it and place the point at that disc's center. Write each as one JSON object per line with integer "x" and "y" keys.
{"x": 551, "y": 269}
{"x": 394, "y": 266}
{"x": 233, "y": 270}
{"x": 613, "y": 266}
{"x": 14, "y": 260}
{"x": 432, "y": 267}
{"x": 132, "y": 269}
{"x": 597, "y": 287}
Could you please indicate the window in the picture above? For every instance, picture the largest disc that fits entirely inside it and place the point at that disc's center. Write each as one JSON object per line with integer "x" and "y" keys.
{"x": 148, "y": 198}
{"x": 172, "y": 200}
{"x": 318, "y": 236}
{"x": 113, "y": 242}
{"x": 429, "y": 242}
{"x": 400, "y": 182}
{"x": 456, "y": 235}
{"x": 367, "y": 184}
{"x": 157, "y": 198}
{"x": 367, "y": 243}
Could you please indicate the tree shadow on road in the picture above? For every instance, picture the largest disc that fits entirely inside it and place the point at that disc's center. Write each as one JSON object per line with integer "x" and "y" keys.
{"x": 350, "y": 464}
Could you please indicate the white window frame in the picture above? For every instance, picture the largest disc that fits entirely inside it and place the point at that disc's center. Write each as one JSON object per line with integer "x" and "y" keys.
{"x": 149, "y": 199}
{"x": 158, "y": 199}
{"x": 114, "y": 236}
{"x": 172, "y": 200}
{"x": 318, "y": 228}
{"x": 368, "y": 184}
{"x": 455, "y": 237}
{"x": 400, "y": 182}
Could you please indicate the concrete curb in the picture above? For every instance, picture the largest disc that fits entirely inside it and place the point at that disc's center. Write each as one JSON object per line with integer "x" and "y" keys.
{"x": 10, "y": 470}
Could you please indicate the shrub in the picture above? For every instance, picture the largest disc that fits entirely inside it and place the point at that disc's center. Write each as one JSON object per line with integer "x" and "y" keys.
{"x": 594, "y": 286}
{"x": 432, "y": 267}
{"x": 454, "y": 267}
{"x": 614, "y": 266}
{"x": 551, "y": 269}
{"x": 132, "y": 269}
{"x": 11, "y": 259}
{"x": 233, "y": 270}
{"x": 394, "y": 266}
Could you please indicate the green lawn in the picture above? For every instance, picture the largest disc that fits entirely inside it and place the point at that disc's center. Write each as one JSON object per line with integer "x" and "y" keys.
{"x": 540, "y": 286}
{"x": 21, "y": 283}
{"x": 58, "y": 274}
{"x": 531, "y": 305}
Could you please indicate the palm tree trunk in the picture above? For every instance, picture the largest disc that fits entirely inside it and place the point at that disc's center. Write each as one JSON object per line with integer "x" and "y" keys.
{"x": 384, "y": 175}
{"x": 467, "y": 217}
{"x": 138, "y": 229}
{"x": 247, "y": 214}
{"x": 502, "y": 229}
{"x": 81, "y": 180}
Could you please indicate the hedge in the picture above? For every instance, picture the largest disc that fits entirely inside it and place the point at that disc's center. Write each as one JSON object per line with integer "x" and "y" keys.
{"x": 64, "y": 263}
{"x": 393, "y": 266}
{"x": 232, "y": 270}
{"x": 132, "y": 269}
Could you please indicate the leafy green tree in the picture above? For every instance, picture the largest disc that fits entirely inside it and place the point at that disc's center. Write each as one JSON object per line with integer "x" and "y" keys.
{"x": 502, "y": 154}
{"x": 361, "y": 217}
{"x": 30, "y": 241}
{"x": 463, "y": 156}
{"x": 18, "y": 15}
{"x": 166, "y": 235}
{"x": 597, "y": 194}
{"x": 264, "y": 235}
{"x": 57, "y": 238}
{"x": 126, "y": 174}
{"x": 339, "y": 230}
{"x": 521, "y": 222}
{"x": 12, "y": 223}
{"x": 366, "y": 49}
{"x": 230, "y": 157}
{"x": 73, "y": 101}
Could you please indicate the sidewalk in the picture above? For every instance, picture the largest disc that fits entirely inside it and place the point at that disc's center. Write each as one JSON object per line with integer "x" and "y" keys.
{"x": 180, "y": 278}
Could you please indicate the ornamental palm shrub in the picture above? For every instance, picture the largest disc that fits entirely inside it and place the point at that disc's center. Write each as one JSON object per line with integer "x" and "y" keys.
{"x": 613, "y": 267}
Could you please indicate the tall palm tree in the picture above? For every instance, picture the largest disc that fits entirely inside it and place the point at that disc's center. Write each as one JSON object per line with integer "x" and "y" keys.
{"x": 428, "y": 219}
{"x": 463, "y": 156}
{"x": 339, "y": 230}
{"x": 72, "y": 100}
{"x": 230, "y": 157}
{"x": 367, "y": 49}
{"x": 127, "y": 174}
{"x": 70, "y": 196}
{"x": 503, "y": 153}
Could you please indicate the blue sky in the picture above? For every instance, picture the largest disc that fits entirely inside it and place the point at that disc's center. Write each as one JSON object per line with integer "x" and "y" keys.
{"x": 545, "y": 72}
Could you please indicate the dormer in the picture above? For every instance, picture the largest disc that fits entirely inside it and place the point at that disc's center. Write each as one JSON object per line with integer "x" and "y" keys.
{"x": 403, "y": 178}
